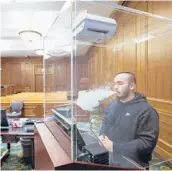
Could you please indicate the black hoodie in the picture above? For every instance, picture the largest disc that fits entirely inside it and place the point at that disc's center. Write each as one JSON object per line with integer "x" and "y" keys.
{"x": 133, "y": 127}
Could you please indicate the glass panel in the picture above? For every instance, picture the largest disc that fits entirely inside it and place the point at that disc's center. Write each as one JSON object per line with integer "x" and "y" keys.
{"x": 89, "y": 42}
{"x": 110, "y": 38}
{"x": 58, "y": 77}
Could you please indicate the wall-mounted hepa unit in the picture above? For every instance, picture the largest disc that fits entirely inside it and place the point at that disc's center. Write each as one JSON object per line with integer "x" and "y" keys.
{"x": 93, "y": 28}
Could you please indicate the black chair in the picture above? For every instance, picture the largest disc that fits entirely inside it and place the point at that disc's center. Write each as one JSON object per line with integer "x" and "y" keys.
{"x": 15, "y": 109}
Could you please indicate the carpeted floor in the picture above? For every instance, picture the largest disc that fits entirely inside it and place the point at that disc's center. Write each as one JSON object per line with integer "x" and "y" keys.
{"x": 16, "y": 162}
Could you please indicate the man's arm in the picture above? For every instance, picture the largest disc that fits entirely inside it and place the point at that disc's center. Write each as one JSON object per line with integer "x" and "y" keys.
{"x": 146, "y": 136}
{"x": 106, "y": 125}
{"x": 103, "y": 131}
{"x": 107, "y": 117}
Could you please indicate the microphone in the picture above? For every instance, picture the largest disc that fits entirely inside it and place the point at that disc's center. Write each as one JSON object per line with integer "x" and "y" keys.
{"x": 91, "y": 123}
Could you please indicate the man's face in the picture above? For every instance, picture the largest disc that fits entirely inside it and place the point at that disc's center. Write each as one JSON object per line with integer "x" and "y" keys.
{"x": 122, "y": 86}
{"x": 83, "y": 84}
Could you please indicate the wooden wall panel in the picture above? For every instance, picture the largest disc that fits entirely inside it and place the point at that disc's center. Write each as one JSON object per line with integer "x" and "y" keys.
{"x": 164, "y": 108}
{"x": 151, "y": 61}
{"x": 62, "y": 80}
{"x": 19, "y": 71}
{"x": 101, "y": 66}
{"x": 129, "y": 51}
{"x": 141, "y": 50}
{"x": 120, "y": 53}
{"x": 16, "y": 74}
{"x": 38, "y": 80}
{"x": 159, "y": 55}
{"x": 3, "y": 71}
{"x": 28, "y": 72}
{"x": 107, "y": 70}
{"x": 38, "y": 77}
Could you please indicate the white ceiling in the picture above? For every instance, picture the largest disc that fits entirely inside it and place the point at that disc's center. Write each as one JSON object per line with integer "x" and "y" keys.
{"x": 44, "y": 17}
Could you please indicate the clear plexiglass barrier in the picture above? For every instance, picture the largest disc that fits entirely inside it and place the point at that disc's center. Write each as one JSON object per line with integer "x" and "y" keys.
{"x": 88, "y": 43}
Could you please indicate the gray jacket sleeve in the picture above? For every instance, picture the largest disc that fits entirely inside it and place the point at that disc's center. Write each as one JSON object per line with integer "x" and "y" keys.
{"x": 109, "y": 111}
{"x": 146, "y": 136}
{"x": 104, "y": 126}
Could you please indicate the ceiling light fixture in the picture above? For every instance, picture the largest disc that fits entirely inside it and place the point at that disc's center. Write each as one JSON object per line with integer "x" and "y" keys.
{"x": 30, "y": 35}
{"x": 6, "y": 1}
{"x": 39, "y": 52}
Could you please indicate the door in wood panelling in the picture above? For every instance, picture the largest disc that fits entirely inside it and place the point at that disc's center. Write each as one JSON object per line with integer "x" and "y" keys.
{"x": 49, "y": 82}
{"x": 27, "y": 74}
{"x": 38, "y": 82}
{"x": 38, "y": 71}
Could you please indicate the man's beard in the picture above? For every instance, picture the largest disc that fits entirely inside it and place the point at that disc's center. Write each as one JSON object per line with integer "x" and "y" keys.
{"x": 123, "y": 97}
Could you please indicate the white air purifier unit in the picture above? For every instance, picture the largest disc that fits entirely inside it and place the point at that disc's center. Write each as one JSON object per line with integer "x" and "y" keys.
{"x": 92, "y": 28}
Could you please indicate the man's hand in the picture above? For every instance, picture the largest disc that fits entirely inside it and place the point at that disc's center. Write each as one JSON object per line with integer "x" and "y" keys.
{"x": 106, "y": 142}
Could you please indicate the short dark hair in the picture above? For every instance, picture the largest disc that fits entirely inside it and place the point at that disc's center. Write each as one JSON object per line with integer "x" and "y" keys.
{"x": 133, "y": 77}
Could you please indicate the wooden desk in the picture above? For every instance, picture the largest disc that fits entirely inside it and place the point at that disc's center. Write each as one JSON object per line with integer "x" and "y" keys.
{"x": 12, "y": 136}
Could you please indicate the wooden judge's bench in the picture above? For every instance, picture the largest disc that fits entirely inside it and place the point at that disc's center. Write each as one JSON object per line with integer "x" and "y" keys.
{"x": 34, "y": 103}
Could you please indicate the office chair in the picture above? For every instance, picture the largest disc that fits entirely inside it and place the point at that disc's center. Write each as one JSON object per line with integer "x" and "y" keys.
{"x": 3, "y": 119}
{"x": 15, "y": 109}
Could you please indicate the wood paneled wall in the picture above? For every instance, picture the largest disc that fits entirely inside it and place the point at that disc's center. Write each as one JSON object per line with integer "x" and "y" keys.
{"x": 28, "y": 72}
{"x": 20, "y": 72}
{"x": 62, "y": 73}
{"x": 151, "y": 61}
